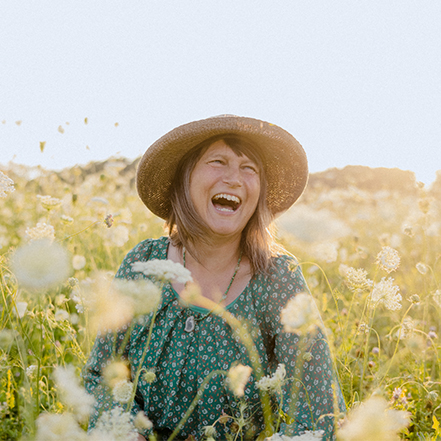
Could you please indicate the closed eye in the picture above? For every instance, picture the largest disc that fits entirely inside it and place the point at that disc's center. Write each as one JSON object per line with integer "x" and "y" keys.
{"x": 250, "y": 168}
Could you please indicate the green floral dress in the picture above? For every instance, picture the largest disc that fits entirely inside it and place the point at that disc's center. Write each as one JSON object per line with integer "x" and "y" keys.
{"x": 182, "y": 358}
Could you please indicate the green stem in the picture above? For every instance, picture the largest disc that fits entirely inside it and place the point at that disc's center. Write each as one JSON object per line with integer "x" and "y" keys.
{"x": 396, "y": 346}
{"x": 193, "y": 404}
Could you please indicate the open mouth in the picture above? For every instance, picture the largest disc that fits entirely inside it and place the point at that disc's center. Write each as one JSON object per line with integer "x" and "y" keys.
{"x": 226, "y": 202}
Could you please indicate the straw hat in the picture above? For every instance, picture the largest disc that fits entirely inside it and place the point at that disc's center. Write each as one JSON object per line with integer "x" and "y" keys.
{"x": 284, "y": 159}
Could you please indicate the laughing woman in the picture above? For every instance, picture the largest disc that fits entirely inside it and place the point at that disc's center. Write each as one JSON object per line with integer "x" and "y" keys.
{"x": 219, "y": 183}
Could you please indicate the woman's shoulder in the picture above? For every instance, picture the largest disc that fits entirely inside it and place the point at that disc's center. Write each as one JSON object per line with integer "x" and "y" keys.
{"x": 145, "y": 250}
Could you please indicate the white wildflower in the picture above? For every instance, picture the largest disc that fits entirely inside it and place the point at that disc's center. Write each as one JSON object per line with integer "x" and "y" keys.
{"x": 356, "y": 279}
{"x": 67, "y": 220}
{"x": 142, "y": 422}
{"x": 56, "y": 427}
{"x": 48, "y": 202}
{"x": 143, "y": 295}
{"x": 163, "y": 270}
{"x": 237, "y": 378}
{"x": 300, "y": 314}
{"x": 122, "y": 391}
{"x": 406, "y": 329}
{"x": 108, "y": 309}
{"x": 41, "y": 231}
{"x": 6, "y": 185}
{"x": 273, "y": 382}
{"x": 210, "y": 431}
{"x": 373, "y": 421}
{"x": 119, "y": 235}
{"x": 115, "y": 425}
{"x": 116, "y": 372}
{"x": 30, "y": 370}
{"x": 40, "y": 264}
{"x": 78, "y": 262}
{"x": 71, "y": 394}
{"x": 61, "y": 315}
{"x": 437, "y": 297}
{"x": 385, "y": 292}
{"x": 388, "y": 259}
{"x": 422, "y": 268}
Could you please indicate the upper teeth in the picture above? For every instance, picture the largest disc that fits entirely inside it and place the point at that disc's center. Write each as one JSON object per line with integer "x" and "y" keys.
{"x": 228, "y": 197}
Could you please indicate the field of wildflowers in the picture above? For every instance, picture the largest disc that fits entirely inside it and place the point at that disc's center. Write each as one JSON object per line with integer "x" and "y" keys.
{"x": 372, "y": 260}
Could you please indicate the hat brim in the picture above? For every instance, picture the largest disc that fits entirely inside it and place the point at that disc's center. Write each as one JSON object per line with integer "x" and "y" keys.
{"x": 284, "y": 159}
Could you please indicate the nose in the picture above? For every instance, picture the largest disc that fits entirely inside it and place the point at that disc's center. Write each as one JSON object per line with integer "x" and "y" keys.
{"x": 232, "y": 176}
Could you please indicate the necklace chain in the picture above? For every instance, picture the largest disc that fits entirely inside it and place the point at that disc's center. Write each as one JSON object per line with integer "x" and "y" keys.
{"x": 224, "y": 296}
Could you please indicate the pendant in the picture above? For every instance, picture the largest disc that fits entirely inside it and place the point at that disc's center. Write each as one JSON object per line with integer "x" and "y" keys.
{"x": 189, "y": 324}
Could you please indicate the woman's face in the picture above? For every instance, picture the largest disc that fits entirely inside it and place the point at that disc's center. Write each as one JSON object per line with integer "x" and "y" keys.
{"x": 225, "y": 189}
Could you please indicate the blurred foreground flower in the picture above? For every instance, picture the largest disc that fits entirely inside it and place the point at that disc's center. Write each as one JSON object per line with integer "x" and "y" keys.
{"x": 41, "y": 231}
{"x": 116, "y": 372}
{"x": 112, "y": 304}
{"x": 237, "y": 378}
{"x": 388, "y": 259}
{"x": 373, "y": 421}
{"x": 387, "y": 293}
{"x": 163, "y": 270}
{"x": 6, "y": 185}
{"x": 143, "y": 295}
{"x": 56, "y": 427}
{"x": 71, "y": 394}
{"x": 300, "y": 314}
{"x": 41, "y": 264}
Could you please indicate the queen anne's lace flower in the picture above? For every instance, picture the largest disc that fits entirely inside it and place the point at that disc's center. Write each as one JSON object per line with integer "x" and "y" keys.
{"x": 115, "y": 425}
{"x": 72, "y": 394}
{"x": 385, "y": 292}
{"x": 6, "y": 185}
{"x": 41, "y": 231}
{"x": 275, "y": 382}
{"x": 122, "y": 391}
{"x": 300, "y": 314}
{"x": 163, "y": 270}
{"x": 356, "y": 279}
{"x": 78, "y": 262}
{"x": 48, "y": 202}
{"x": 406, "y": 328}
{"x": 56, "y": 427}
{"x": 373, "y": 421}
{"x": 143, "y": 295}
{"x": 422, "y": 268}
{"x": 437, "y": 297}
{"x": 142, "y": 422}
{"x": 388, "y": 259}
{"x": 237, "y": 378}
{"x": 40, "y": 264}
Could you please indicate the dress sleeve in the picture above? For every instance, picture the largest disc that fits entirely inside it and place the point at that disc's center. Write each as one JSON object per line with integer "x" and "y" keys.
{"x": 107, "y": 345}
{"x": 308, "y": 393}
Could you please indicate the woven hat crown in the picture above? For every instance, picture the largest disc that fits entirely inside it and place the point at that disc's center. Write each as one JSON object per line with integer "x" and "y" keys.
{"x": 284, "y": 159}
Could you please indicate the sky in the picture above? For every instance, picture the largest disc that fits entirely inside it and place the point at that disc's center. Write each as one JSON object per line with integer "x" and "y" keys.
{"x": 356, "y": 82}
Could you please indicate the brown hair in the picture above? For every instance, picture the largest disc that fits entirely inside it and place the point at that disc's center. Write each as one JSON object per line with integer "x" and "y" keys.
{"x": 184, "y": 224}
